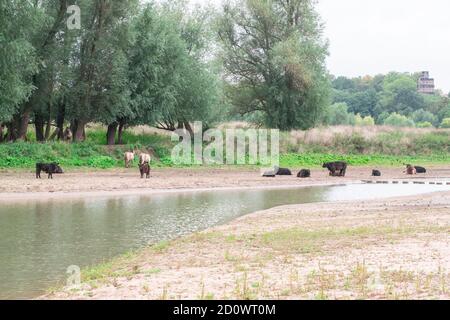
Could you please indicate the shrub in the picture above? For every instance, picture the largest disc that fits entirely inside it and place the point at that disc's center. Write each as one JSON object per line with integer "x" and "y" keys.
{"x": 422, "y": 116}
{"x": 103, "y": 162}
{"x": 398, "y": 120}
{"x": 364, "y": 122}
{"x": 425, "y": 124}
{"x": 338, "y": 114}
{"x": 445, "y": 123}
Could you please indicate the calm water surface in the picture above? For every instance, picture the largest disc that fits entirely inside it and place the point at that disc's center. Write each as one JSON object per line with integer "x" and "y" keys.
{"x": 39, "y": 240}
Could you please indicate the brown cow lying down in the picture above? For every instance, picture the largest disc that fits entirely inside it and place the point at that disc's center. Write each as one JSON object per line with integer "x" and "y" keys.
{"x": 420, "y": 169}
{"x": 376, "y": 173}
{"x": 144, "y": 169}
{"x": 304, "y": 173}
{"x": 49, "y": 168}
{"x": 270, "y": 173}
{"x": 284, "y": 172}
{"x": 410, "y": 169}
{"x": 337, "y": 169}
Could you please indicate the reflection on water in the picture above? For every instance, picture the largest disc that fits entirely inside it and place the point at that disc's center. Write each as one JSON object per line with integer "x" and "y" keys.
{"x": 39, "y": 240}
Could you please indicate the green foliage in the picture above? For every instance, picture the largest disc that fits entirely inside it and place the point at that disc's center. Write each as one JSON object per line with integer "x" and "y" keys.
{"x": 91, "y": 153}
{"x": 17, "y": 55}
{"x": 424, "y": 124}
{"x": 277, "y": 66}
{"x": 398, "y": 120}
{"x": 422, "y": 116}
{"x": 400, "y": 94}
{"x": 102, "y": 162}
{"x": 445, "y": 123}
{"x": 337, "y": 114}
{"x": 317, "y": 159}
{"x": 367, "y": 121}
{"x": 383, "y": 95}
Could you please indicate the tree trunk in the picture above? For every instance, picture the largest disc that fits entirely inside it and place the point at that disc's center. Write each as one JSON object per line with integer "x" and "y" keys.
{"x": 49, "y": 122}
{"x": 60, "y": 120}
{"x": 39, "y": 126}
{"x": 1, "y": 132}
{"x": 120, "y": 134}
{"x": 48, "y": 128}
{"x": 23, "y": 125}
{"x": 73, "y": 127}
{"x": 11, "y": 131}
{"x": 188, "y": 127}
{"x": 80, "y": 134}
{"x": 111, "y": 134}
{"x": 54, "y": 135}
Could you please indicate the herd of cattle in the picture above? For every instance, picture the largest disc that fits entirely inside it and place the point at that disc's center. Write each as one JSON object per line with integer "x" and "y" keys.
{"x": 336, "y": 169}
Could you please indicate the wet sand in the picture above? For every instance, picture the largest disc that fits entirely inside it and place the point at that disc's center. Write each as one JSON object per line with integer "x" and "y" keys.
{"x": 20, "y": 185}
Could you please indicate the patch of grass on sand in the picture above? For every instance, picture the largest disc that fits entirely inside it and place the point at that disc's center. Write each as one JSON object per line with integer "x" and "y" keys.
{"x": 310, "y": 241}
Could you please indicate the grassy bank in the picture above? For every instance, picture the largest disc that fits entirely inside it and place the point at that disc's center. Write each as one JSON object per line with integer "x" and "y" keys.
{"x": 363, "y": 146}
{"x": 93, "y": 153}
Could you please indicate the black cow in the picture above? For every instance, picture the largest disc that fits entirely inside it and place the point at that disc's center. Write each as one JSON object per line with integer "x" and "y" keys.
{"x": 420, "y": 169}
{"x": 304, "y": 173}
{"x": 284, "y": 172}
{"x": 376, "y": 173}
{"x": 337, "y": 169}
{"x": 49, "y": 168}
{"x": 144, "y": 168}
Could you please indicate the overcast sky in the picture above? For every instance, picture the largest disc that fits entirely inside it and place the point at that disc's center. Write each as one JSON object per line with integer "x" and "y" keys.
{"x": 378, "y": 36}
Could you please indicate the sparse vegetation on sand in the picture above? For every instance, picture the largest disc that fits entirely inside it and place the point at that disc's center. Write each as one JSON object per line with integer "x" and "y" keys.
{"x": 375, "y": 250}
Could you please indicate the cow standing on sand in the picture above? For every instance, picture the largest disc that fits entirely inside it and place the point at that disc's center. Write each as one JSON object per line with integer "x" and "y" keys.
{"x": 128, "y": 157}
{"x": 143, "y": 158}
{"x": 337, "y": 169}
{"x": 49, "y": 168}
{"x": 144, "y": 168}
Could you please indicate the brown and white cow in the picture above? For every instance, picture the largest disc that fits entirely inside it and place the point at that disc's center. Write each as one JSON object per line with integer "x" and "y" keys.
{"x": 143, "y": 158}
{"x": 128, "y": 157}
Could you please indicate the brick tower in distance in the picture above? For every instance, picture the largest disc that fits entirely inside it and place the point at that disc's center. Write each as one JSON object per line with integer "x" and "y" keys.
{"x": 425, "y": 84}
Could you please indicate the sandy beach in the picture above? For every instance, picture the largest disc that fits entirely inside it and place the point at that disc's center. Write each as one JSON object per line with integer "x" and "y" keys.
{"x": 16, "y": 185}
{"x": 397, "y": 248}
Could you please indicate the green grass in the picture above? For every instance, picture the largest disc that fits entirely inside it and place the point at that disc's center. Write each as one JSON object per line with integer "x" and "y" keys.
{"x": 317, "y": 159}
{"x": 93, "y": 153}
{"x": 392, "y": 149}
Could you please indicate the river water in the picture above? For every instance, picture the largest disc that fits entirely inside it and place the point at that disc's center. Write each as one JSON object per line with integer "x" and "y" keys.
{"x": 39, "y": 240}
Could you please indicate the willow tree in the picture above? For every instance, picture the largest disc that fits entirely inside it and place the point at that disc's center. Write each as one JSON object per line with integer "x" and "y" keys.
{"x": 171, "y": 82}
{"x": 17, "y": 61}
{"x": 100, "y": 90}
{"x": 274, "y": 58}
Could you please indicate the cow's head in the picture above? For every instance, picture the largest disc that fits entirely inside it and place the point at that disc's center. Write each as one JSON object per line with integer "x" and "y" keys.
{"x": 57, "y": 168}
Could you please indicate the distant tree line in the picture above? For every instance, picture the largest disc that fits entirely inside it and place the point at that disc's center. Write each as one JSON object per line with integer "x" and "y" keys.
{"x": 391, "y": 99}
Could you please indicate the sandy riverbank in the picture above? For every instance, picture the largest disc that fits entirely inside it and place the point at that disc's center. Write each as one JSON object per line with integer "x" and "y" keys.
{"x": 392, "y": 248}
{"x": 22, "y": 185}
